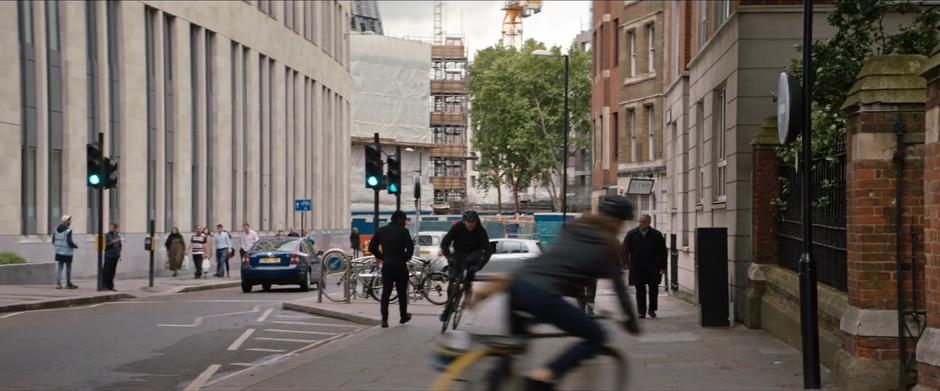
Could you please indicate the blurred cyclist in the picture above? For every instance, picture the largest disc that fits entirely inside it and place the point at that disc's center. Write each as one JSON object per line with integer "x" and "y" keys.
{"x": 471, "y": 251}
{"x": 587, "y": 250}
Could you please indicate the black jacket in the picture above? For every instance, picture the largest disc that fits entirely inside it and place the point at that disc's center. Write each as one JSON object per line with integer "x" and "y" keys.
{"x": 354, "y": 240}
{"x": 466, "y": 241}
{"x": 579, "y": 256}
{"x": 645, "y": 255}
{"x": 396, "y": 242}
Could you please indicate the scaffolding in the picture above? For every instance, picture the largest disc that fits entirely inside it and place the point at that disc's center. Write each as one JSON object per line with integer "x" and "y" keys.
{"x": 449, "y": 122}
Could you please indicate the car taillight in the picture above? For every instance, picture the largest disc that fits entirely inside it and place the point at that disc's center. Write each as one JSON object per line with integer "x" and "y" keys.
{"x": 294, "y": 260}
{"x": 245, "y": 260}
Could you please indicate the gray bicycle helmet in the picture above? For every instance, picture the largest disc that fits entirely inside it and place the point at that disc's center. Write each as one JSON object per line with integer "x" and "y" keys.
{"x": 616, "y": 206}
{"x": 471, "y": 216}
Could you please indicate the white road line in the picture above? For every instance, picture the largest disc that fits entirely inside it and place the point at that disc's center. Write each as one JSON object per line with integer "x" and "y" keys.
{"x": 295, "y": 316}
{"x": 265, "y": 315}
{"x": 314, "y": 324}
{"x": 242, "y": 364}
{"x": 238, "y": 342}
{"x": 265, "y": 350}
{"x": 286, "y": 340}
{"x": 198, "y": 320}
{"x": 203, "y": 378}
{"x": 299, "y": 332}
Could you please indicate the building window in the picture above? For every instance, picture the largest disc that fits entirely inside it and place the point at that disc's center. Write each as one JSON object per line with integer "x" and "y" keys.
{"x": 289, "y": 14}
{"x": 615, "y": 145}
{"x": 194, "y": 98}
{"x": 702, "y": 6}
{"x": 55, "y": 112}
{"x": 617, "y": 32}
{"x": 722, "y": 12}
{"x": 651, "y": 131}
{"x": 651, "y": 52}
{"x": 631, "y": 37}
{"x": 114, "y": 102}
{"x": 244, "y": 129}
{"x": 262, "y": 115}
{"x": 169, "y": 122}
{"x": 601, "y": 46}
{"x": 149, "y": 52}
{"x": 720, "y": 148}
{"x": 700, "y": 150}
{"x": 210, "y": 128}
{"x": 234, "y": 135}
{"x": 28, "y": 133}
{"x": 634, "y": 146}
{"x": 674, "y": 45}
{"x": 91, "y": 77}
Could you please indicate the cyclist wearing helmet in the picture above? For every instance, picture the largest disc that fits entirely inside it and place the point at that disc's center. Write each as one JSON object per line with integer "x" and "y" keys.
{"x": 471, "y": 249}
{"x": 587, "y": 249}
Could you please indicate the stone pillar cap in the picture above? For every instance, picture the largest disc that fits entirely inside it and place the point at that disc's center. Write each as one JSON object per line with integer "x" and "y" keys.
{"x": 931, "y": 68}
{"x": 767, "y": 133}
{"x": 889, "y": 79}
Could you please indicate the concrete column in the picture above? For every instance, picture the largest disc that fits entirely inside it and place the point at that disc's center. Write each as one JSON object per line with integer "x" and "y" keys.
{"x": 887, "y": 87}
{"x": 766, "y": 184}
{"x": 928, "y": 348}
{"x": 10, "y": 121}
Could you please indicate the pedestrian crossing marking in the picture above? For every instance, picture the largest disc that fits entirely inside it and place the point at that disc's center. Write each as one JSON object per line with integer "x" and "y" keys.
{"x": 266, "y": 350}
{"x": 314, "y": 324}
{"x": 286, "y": 340}
{"x": 241, "y": 339}
{"x": 300, "y": 332}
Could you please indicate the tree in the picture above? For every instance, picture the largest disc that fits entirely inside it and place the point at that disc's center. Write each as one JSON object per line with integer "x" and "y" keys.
{"x": 516, "y": 102}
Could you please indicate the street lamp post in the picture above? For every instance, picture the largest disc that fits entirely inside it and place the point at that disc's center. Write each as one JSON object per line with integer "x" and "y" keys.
{"x": 564, "y": 175}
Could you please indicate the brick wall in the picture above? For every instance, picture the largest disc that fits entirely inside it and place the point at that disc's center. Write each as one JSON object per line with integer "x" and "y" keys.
{"x": 932, "y": 210}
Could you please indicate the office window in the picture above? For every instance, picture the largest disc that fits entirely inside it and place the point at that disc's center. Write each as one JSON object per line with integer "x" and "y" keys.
{"x": 210, "y": 128}
{"x": 601, "y": 45}
{"x": 29, "y": 134}
{"x": 617, "y": 32}
{"x": 634, "y": 154}
{"x": 632, "y": 39}
{"x": 114, "y": 103}
{"x": 651, "y": 131}
{"x": 288, "y": 149}
{"x": 674, "y": 45}
{"x": 169, "y": 122}
{"x": 91, "y": 77}
{"x": 262, "y": 63}
{"x": 244, "y": 129}
{"x": 722, "y": 12}
{"x": 721, "y": 159}
{"x": 595, "y": 55}
{"x": 149, "y": 52}
{"x": 651, "y": 45}
{"x": 700, "y": 150}
{"x": 234, "y": 135}
{"x": 615, "y": 144}
{"x": 289, "y": 14}
{"x": 194, "y": 140}
{"x": 55, "y": 112}
{"x": 702, "y": 7}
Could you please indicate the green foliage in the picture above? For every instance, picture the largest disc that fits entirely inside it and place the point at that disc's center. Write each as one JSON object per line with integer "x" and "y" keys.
{"x": 11, "y": 259}
{"x": 517, "y": 114}
{"x": 860, "y": 34}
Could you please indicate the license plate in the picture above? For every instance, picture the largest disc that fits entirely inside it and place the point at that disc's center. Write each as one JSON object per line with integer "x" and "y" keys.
{"x": 270, "y": 260}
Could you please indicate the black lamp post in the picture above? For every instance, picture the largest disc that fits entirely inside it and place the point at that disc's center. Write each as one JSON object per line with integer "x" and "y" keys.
{"x": 564, "y": 175}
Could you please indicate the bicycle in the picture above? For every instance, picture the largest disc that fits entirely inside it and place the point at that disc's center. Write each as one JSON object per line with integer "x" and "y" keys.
{"x": 361, "y": 273}
{"x": 458, "y": 292}
{"x": 423, "y": 282}
{"x": 492, "y": 366}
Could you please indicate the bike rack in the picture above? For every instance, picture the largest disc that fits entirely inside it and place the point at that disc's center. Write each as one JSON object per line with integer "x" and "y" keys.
{"x": 321, "y": 284}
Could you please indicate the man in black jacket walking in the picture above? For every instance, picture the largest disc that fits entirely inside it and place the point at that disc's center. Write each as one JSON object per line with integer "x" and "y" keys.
{"x": 112, "y": 254}
{"x": 645, "y": 250}
{"x": 394, "y": 247}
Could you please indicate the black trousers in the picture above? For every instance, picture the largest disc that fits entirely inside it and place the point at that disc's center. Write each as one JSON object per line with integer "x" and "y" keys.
{"x": 641, "y": 293}
{"x": 396, "y": 275}
{"x": 109, "y": 270}
{"x": 197, "y": 261}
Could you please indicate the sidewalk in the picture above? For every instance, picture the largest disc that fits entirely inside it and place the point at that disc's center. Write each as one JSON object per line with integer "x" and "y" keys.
{"x": 33, "y": 296}
{"x": 673, "y": 353}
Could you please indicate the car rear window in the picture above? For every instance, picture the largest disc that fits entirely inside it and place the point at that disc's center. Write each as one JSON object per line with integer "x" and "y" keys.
{"x": 270, "y": 245}
{"x": 289, "y": 246}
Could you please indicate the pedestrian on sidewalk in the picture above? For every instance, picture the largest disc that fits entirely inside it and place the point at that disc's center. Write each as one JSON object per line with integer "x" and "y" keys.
{"x": 112, "y": 254}
{"x": 209, "y": 250}
{"x": 291, "y": 233}
{"x": 249, "y": 238}
{"x": 396, "y": 250}
{"x": 64, "y": 250}
{"x": 644, "y": 249}
{"x": 175, "y": 250}
{"x": 354, "y": 242}
{"x": 197, "y": 248}
{"x": 223, "y": 250}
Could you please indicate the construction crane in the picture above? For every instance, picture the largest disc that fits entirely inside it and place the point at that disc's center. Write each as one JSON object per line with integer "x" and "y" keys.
{"x": 512, "y": 21}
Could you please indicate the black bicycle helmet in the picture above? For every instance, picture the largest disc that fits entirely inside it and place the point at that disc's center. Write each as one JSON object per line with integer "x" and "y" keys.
{"x": 471, "y": 216}
{"x": 616, "y": 206}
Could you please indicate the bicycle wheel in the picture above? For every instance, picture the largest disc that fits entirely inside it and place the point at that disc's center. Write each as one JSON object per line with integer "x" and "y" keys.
{"x": 375, "y": 289}
{"x": 487, "y": 369}
{"x": 360, "y": 280}
{"x": 453, "y": 294}
{"x": 434, "y": 288}
{"x": 458, "y": 310}
{"x": 333, "y": 269}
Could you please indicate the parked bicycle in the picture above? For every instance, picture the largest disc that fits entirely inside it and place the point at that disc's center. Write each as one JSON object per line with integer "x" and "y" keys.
{"x": 361, "y": 273}
{"x": 492, "y": 366}
{"x": 423, "y": 282}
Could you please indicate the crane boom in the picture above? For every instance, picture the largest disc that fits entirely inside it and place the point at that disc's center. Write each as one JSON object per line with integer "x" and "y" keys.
{"x": 515, "y": 11}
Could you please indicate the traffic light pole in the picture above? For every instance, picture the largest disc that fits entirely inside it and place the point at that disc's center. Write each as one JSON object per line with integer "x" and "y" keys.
{"x": 398, "y": 194}
{"x": 100, "y": 243}
{"x": 375, "y": 217}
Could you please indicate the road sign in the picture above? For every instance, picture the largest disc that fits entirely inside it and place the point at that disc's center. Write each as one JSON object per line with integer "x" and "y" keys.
{"x": 302, "y": 205}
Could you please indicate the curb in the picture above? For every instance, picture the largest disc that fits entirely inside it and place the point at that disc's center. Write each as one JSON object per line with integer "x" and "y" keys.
{"x": 363, "y": 320}
{"x": 197, "y": 288}
{"x": 65, "y": 302}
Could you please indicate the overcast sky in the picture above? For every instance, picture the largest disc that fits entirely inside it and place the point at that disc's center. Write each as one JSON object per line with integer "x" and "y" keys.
{"x": 481, "y": 21}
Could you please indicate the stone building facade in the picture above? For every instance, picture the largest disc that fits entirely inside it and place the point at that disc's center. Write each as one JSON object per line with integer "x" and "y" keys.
{"x": 219, "y": 112}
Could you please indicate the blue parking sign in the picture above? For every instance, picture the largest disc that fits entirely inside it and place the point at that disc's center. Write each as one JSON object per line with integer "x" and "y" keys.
{"x": 302, "y": 205}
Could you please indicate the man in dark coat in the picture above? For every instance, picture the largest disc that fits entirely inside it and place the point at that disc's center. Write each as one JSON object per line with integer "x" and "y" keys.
{"x": 645, "y": 251}
{"x": 394, "y": 247}
{"x": 354, "y": 242}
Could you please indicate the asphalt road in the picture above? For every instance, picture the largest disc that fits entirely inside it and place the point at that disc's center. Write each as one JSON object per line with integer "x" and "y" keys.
{"x": 159, "y": 343}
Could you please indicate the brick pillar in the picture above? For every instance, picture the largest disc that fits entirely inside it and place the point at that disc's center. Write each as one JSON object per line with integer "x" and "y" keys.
{"x": 928, "y": 348}
{"x": 885, "y": 87}
{"x": 765, "y": 188}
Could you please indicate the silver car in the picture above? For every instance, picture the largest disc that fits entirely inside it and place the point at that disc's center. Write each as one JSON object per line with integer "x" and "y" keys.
{"x": 508, "y": 255}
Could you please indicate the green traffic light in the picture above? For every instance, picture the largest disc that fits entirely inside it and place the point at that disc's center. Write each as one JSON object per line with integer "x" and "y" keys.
{"x": 94, "y": 180}
{"x": 393, "y": 188}
{"x": 372, "y": 181}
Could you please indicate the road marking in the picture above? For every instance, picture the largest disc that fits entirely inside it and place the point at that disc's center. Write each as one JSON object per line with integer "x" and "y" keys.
{"x": 198, "y": 320}
{"x": 286, "y": 340}
{"x": 295, "y": 316}
{"x": 314, "y": 324}
{"x": 265, "y": 350}
{"x": 265, "y": 315}
{"x": 203, "y": 378}
{"x": 238, "y": 342}
{"x": 242, "y": 364}
{"x": 299, "y": 332}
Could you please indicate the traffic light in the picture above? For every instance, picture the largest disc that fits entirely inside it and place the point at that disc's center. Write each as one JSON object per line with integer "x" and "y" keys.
{"x": 394, "y": 173}
{"x": 95, "y": 175}
{"x": 373, "y": 166}
{"x": 110, "y": 173}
